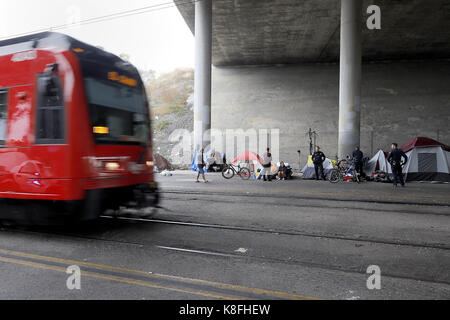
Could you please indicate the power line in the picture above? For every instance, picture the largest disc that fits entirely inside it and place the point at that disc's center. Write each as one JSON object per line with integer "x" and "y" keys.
{"x": 117, "y": 15}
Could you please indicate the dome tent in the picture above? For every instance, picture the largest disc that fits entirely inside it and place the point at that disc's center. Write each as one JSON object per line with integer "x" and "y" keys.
{"x": 377, "y": 162}
{"x": 251, "y": 160}
{"x": 309, "y": 171}
{"x": 423, "y": 142}
{"x": 428, "y": 160}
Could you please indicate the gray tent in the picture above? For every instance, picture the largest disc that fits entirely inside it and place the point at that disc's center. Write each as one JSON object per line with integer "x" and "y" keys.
{"x": 427, "y": 164}
{"x": 309, "y": 172}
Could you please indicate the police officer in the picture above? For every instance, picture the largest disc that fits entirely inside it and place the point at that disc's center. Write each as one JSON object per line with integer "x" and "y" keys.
{"x": 318, "y": 158}
{"x": 395, "y": 159}
{"x": 358, "y": 160}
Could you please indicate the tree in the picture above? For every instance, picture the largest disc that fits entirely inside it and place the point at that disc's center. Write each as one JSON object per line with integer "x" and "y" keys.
{"x": 168, "y": 92}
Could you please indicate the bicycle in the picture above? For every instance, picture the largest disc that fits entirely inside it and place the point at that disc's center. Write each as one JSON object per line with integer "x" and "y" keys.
{"x": 230, "y": 170}
{"x": 343, "y": 170}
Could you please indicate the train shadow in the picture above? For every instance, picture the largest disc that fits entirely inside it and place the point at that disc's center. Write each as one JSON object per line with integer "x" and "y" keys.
{"x": 107, "y": 223}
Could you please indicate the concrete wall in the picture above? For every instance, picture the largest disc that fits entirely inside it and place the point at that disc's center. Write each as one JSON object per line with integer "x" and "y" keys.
{"x": 400, "y": 100}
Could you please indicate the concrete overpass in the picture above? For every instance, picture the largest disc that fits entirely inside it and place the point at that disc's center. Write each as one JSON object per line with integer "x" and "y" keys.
{"x": 275, "y": 58}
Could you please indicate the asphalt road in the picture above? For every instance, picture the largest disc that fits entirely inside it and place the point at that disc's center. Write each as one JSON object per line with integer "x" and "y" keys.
{"x": 234, "y": 239}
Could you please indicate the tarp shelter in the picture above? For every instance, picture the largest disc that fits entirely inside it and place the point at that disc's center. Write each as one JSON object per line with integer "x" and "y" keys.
{"x": 194, "y": 166}
{"x": 428, "y": 160}
{"x": 249, "y": 159}
{"x": 378, "y": 162}
{"x": 309, "y": 172}
{"x": 206, "y": 156}
{"x": 217, "y": 157}
{"x": 162, "y": 163}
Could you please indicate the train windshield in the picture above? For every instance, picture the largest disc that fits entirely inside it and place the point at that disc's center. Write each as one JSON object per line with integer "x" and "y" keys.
{"x": 118, "y": 111}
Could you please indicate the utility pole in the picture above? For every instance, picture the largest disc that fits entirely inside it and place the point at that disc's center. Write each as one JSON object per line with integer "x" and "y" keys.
{"x": 371, "y": 142}
{"x": 312, "y": 135}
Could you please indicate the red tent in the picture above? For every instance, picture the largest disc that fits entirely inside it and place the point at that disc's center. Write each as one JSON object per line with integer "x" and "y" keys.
{"x": 423, "y": 142}
{"x": 248, "y": 156}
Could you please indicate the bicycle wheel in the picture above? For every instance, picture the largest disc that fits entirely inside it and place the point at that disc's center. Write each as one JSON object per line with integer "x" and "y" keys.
{"x": 244, "y": 173}
{"x": 334, "y": 176}
{"x": 227, "y": 172}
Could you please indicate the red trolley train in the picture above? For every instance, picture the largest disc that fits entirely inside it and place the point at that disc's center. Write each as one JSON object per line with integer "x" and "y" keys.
{"x": 74, "y": 131}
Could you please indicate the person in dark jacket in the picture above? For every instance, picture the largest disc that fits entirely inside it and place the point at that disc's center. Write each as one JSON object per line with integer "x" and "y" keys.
{"x": 282, "y": 171}
{"x": 358, "y": 160}
{"x": 267, "y": 163}
{"x": 395, "y": 159}
{"x": 318, "y": 158}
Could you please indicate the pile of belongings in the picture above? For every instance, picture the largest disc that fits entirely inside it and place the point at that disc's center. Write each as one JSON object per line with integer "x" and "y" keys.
{"x": 379, "y": 176}
{"x": 215, "y": 161}
{"x": 347, "y": 165}
{"x": 274, "y": 171}
{"x": 166, "y": 173}
{"x": 161, "y": 163}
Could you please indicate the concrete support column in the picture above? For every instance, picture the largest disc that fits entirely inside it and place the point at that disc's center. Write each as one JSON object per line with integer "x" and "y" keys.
{"x": 350, "y": 76}
{"x": 202, "y": 78}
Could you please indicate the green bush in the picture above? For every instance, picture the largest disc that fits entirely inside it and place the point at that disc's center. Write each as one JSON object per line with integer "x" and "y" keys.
{"x": 160, "y": 125}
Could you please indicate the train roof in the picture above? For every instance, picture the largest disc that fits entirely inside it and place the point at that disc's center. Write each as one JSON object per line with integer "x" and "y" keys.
{"x": 46, "y": 39}
{"x": 86, "y": 53}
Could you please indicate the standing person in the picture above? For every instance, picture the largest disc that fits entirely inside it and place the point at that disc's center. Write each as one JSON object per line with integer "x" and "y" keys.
{"x": 299, "y": 152}
{"x": 358, "y": 161}
{"x": 201, "y": 166}
{"x": 267, "y": 163}
{"x": 318, "y": 158}
{"x": 395, "y": 159}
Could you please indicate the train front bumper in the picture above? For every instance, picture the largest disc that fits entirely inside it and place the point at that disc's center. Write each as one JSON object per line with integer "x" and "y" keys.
{"x": 145, "y": 195}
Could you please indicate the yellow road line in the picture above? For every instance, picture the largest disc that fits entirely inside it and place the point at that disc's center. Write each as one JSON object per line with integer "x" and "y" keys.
{"x": 217, "y": 285}
{"x": 123, "y": 279}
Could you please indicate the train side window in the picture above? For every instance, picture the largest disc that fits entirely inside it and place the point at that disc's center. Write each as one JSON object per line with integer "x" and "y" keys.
{"x": 3, "y": 115}
{"x": 50, "y": 120}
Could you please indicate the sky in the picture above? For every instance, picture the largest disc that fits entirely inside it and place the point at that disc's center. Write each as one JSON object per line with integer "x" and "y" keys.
{"x": 158, "y": 40}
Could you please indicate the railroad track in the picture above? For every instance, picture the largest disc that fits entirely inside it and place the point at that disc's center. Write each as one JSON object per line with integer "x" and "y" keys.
{"x": 217, "y": 253}
{"x": 283, "y": 232}
{"x": 199, "y": 197}
{"x": 312, "y": 196}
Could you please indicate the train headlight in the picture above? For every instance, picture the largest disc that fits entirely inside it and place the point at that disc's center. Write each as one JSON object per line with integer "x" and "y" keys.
{"x": 150, "y": 163}
{"x": 100, "y": 130}
{"x": 112, "y": 166}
